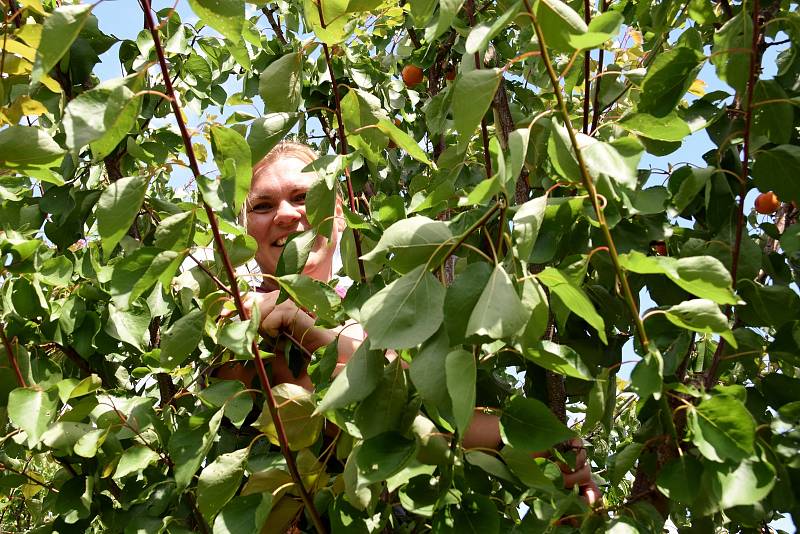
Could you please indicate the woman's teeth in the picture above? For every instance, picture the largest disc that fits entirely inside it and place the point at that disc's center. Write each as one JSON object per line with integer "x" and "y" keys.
{"x": 280, "y": 242}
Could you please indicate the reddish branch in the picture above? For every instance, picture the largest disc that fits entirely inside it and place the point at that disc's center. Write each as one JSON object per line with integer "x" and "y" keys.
{"x": 755, "y": 63}
{"x": 12, "y": 357}
{"x": 243, "y": 312}
{"x": 587, "y": 65}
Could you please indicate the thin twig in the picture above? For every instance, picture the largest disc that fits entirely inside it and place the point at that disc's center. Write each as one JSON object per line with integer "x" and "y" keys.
{"x": 243, "y": 313}
{"x": 12, "y": 358}
{"x": 274, "y": 25}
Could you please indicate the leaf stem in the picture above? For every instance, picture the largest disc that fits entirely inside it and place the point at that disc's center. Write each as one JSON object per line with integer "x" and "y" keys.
{"x": 589, "y": 184}
{"x": 243, "y": 313}
{"x": 480, "y": 222}
{"x": 12, "y": 358}
{"x": 343, "y": 151}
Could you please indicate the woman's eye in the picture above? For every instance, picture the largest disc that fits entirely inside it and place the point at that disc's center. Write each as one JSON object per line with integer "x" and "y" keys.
{"x": 300, "y": 198}
{"x": 261, "y": 207}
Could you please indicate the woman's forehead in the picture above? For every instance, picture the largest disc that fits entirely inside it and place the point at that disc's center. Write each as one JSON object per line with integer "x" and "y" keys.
{"x": 282, "y": 175}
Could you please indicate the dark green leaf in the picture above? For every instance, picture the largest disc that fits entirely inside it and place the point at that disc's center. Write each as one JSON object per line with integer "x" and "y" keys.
{"x": 722, "y": 429}
{"x": 668, "y": 79}
{"x": 406, "y": 312}
{"x": 190, "y": 443}
{"x": 461, "y": 375}
{"x": 384, "y": 455}
{"x": 59, "y": 31}
{"x": 573, "y": 298}
{"x": 701, "y": 315}
{"x": 473, "y": 93}
{"x": 28, "y": 147}
{"x": 530, "y": 426}
{"x": 280, "y": 83}
{"x": 359, "y": 378}
{"x": 268, "y": 131}
{"x": 181, "y": 338}
{"x": 773, "y": 170}
{"x": 117, "y": 208}
{"x": 220, "y": 481}
{"x": 557, "y": 358}
{"x": 499, "y": 313}
{"x": 412, "y": 241}
{"x": 244, "y": 514}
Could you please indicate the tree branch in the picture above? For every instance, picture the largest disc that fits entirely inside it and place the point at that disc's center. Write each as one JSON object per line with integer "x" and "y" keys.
{"x": 12, "y": 357}
{"x": 243, "y": 313}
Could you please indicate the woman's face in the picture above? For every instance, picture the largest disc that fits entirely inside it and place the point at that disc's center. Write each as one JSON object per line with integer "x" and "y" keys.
{"x": 277, "y": 209}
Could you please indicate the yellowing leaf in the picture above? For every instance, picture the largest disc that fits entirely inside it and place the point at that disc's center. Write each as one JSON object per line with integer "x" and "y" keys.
{"x": 636, "y": 36}
{"x": 15, "y": 47}
{"x": 35, "y": 5}
{"x": 698, "y": 88}
{"x": 31, "y": 34}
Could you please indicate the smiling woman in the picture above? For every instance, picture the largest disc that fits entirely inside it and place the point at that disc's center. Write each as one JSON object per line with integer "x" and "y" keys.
{"x": 274, "y": 211}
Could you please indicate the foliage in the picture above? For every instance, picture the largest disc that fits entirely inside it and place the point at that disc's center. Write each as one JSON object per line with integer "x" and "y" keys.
{"x": 509, "y": 233}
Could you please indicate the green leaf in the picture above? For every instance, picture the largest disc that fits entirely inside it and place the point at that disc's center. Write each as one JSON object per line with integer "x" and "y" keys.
{"x": 59, "y": 31}
{"x": 135, "y": 274}
{"x": 448, "y": 10}
{"x": 557, "y": 358}
{"x": 239, "y": 336}
{"x": 560, "y": 23}
{"x": 623, "y": 461}
{"x": 701, "y": 315}
{"x": 225, "y": 16}
{"x": 102, "y": 117}
{"x": 476, "y": 514}
{"x": 175, "y": 232}
{"x": 472, "y": 96}
{"x": 669, "y": 127}
{"x": 668, "y": 79}
{"x": 297, "y": 409}
{"x": 602, "y": 27}
{"x": 604, "y": 158}
{"x": 461, "y": 375}
{"x": 731, "y": 51}
{"x": 181, "y": 338}
{"x": 561, "y": 154}
{"x": 647, "y": 378}
{"x": 691, "y": 185}
{"x": 28, "y": 147}
{"x": 268, "y": 131}
{"x": 745, "y": 484}
{"x": 573, "y": 298}
{"x": 384, "y": 455}
{"x": 220, "y": 481}
{"x": 229, "y": 145}
{"x": 384, "y": 408}
{"x": 527, "y": 222}
{"x": 428, "y": 372}
{"x": 295, "y": 253}
{"x": 32, "y": 410}
{"x": 703, "y": 276}
{"x": 312, "y": 295}
{"x": 412, "y": 241}
{"x": 722, "y": 429}
{"x": 680, "y": 479}
{"x": 227, "y": 394}
{"x": 499, "y": 313}
{"x": 244, "y": 514}
{"x": 134, "y": 460}
{"x": 403, "y": 141}
{"x": 190, "y": 443}
{"x": 117, "y": 209}
{"x": 280, "y": 83}
{"x": 773, "y": 170}
{"x": 482, "y": 33}
{"x": 530, "y": 426}
{"x": 358, "y": 379}
{"x": 406, "y": 312}
{"x": 772, "y": 120}
{"x": 129, "y": 325}
{"x": 526, "y": 469}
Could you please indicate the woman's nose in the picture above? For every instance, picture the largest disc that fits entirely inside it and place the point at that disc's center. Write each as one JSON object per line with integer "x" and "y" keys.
{"x": 286, "y": 213}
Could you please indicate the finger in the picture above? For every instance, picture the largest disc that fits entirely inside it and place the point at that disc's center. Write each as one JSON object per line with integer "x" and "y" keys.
{"x": 579, "y": 476}
{"x": 590, "y": 493}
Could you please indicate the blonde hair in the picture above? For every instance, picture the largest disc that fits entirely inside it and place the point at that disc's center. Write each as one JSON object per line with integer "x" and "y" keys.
{"x": 284, "y": 149}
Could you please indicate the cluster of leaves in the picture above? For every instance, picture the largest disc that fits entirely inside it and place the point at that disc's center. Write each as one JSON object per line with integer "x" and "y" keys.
{"x": 505, "y": 231}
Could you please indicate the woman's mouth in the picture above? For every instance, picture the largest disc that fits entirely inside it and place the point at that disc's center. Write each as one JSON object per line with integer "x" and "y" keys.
{"x": 280, "y": 241}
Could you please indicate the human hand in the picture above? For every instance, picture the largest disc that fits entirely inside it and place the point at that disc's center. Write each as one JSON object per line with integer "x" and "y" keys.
{"x": 581, "y": 476}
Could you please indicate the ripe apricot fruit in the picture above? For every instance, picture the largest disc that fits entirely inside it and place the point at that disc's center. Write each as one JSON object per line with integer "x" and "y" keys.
{"x": 450, "y": 73}
{"x": 767, "y": 203}
{"x": 412, "y": 75}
